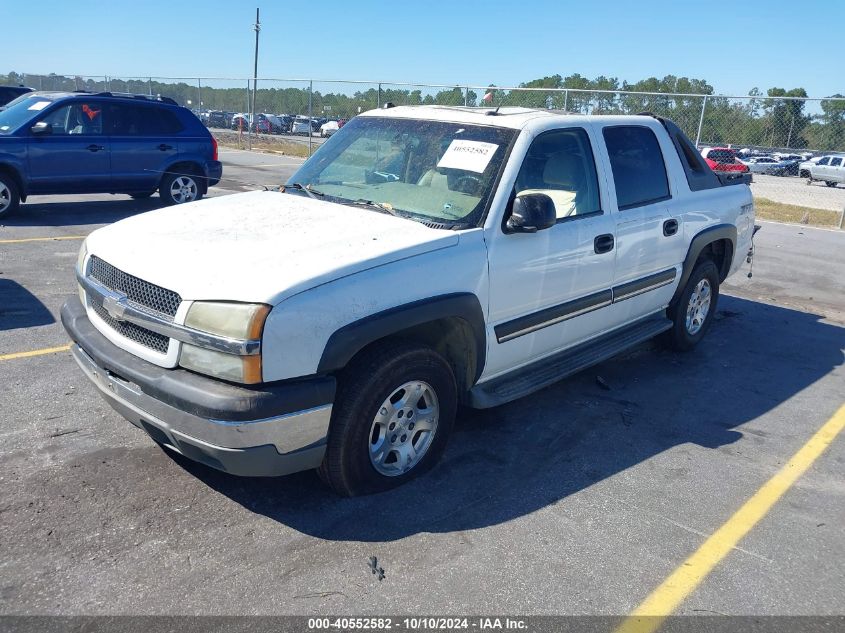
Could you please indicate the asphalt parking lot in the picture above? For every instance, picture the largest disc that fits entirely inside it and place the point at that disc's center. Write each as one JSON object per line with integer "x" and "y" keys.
{"x": 581, "y": 499}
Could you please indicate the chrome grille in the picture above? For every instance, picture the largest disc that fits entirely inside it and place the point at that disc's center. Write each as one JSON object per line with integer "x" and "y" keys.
{"x": 142, "y": 294}
{"x": 153, "y": 340}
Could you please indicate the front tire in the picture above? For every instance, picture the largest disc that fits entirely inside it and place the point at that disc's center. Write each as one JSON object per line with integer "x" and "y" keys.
{"x": 693, "y": 313}
{"x": 10, "y": 197}
{"x": 391, "y": 420}
{"x": 179, "y": 188}
{"x": 830, "y": 183}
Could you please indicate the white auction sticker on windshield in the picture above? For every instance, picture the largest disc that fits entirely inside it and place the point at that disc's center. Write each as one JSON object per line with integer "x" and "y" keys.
{"x": 39, "y": 105}
{"x": 468, "y": 155}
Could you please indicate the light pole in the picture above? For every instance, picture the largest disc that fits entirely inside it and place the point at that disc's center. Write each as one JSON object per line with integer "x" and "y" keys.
{"x": 257, "y": 28}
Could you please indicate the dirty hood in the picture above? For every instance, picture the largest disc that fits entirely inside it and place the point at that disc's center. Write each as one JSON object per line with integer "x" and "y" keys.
{"x": 261, "y": 246}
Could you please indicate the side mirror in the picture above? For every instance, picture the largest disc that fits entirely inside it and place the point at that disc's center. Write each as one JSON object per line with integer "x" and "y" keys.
{"x": 531, "y": 212}
{"x": 42, "y": 128}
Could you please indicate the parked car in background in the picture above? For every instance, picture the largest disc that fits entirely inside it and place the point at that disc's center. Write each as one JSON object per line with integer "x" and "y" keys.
{"x": 286, "y": 121}
{"x": 72, "y": 142}
{"x": 327, "y": 129}
{"x": 240, "y": 121}
{"x": 830, "y": 169}
{"x": 804, "y": 168}
{"x": 276, "y": 124}
{"x": 10, "y": 93}
{"x": 763, "y": 165}
{"x": 301, "y": 125}
{"x": 216, "y": 118}
{"x": 723, "y": 159}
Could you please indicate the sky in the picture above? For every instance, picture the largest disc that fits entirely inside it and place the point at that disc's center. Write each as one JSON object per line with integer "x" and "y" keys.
{"x": 735, "y": 45}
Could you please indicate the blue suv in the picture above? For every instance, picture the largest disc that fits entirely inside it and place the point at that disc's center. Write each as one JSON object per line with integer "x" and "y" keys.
{"x": 65, "y": 143}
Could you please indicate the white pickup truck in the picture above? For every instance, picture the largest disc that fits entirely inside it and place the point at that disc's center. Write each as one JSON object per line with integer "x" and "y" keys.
{"x": 422, "y": 258}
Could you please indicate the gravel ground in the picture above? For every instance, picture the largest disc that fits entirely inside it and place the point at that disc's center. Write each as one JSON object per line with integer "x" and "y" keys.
{"x": 792, "y": 190}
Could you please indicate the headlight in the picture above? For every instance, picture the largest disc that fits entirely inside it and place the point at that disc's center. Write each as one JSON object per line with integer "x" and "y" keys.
{"x": 241, "y": 321}
{"x": 235, "y": 320}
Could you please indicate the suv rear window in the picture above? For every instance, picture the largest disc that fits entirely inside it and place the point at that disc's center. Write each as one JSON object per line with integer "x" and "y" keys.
{"x": 639, "y": 172}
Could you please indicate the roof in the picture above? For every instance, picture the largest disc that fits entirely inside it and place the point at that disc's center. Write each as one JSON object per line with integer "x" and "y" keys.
{"x": 507, "y": 117}
{"x": 53, "y": 95}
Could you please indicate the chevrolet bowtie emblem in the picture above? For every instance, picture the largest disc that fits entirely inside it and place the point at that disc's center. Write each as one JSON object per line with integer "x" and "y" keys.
{"x": 115, "y": 307}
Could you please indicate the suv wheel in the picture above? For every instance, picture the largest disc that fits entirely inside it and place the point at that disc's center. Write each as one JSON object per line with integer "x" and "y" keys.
{"x": 693, "y": 313}
{"x": 394, "y": 411}
{"x": 830, "y": 183}
{"x": 10, "y": 198}
{"x": 179, "y": 188}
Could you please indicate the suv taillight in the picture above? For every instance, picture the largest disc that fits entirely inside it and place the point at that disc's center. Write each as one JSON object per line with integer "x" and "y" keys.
{"x": 213, "y": 148}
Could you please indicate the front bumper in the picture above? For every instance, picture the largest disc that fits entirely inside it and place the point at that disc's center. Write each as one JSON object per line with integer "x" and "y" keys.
{"x": 261, "y": 431}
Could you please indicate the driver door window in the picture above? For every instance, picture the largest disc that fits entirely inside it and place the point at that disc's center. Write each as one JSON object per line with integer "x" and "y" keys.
{"x": 560, "y": 164}
{"x": 76, "y": 118}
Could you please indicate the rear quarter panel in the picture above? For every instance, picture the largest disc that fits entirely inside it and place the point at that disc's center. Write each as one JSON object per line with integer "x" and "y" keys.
{"x": 698, "y": 210}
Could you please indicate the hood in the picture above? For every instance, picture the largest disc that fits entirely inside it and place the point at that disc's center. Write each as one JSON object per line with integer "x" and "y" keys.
{"x": 259, "y": 247}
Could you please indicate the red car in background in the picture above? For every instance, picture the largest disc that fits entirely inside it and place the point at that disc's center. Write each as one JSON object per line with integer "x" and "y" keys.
{"x": 723, "y": 159}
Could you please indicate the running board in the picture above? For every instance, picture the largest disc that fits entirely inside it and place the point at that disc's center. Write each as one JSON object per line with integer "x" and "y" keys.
{"x": 547, "y": 371}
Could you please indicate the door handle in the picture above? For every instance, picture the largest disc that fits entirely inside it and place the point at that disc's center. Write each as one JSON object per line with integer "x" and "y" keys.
{"x": 670, "y": 227}
{"x": 95, "y": 148}
{"x": 603, "y": 243}
{"x": 164, "y": 147}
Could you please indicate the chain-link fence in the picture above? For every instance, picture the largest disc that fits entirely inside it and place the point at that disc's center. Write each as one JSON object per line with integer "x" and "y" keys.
{"x": 780, "y": 139}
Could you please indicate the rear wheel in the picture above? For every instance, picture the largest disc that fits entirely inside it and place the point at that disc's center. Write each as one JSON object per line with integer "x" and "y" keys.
{"x": 179, "y": 188}
{"x": 10, "y": 198}
{"x": 830, "y": 183}
{"x": 693, "y": 313}
{"x": 394, "y": 411}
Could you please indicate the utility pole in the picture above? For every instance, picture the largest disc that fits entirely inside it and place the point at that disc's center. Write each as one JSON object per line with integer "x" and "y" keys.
{"x": 257, "y": 28}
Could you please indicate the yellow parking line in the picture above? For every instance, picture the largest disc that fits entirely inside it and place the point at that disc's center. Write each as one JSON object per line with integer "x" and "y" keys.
{"x": 648, "y": 617}
{"x": 44, "y": 239}
{"x": 37, "y": 352}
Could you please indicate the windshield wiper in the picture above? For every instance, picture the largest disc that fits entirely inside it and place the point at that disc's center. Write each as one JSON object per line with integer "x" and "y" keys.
{"x": 380, "y": 206}
{"x": 312, "y": 193}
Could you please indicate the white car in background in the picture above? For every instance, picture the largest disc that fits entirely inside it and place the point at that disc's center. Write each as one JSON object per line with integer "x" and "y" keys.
{"x": 804, "y": 168}
{"x": 301, "y": 125}
{"x": 830, "y": 169}
{"x": 329, "y": 128}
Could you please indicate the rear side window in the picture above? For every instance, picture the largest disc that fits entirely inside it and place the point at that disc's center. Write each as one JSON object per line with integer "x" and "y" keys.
{"x": 835, "y": 162}
{"x": 639, "y": 172}
{"x": 137, "y": 120}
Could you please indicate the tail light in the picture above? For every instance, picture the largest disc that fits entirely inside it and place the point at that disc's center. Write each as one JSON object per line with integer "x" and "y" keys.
{"x": 213, "y": 148}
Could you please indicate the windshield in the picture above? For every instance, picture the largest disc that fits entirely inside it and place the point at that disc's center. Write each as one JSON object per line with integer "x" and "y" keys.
{"x": 426, "y": 170}
{"x": 20, "y": 111}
